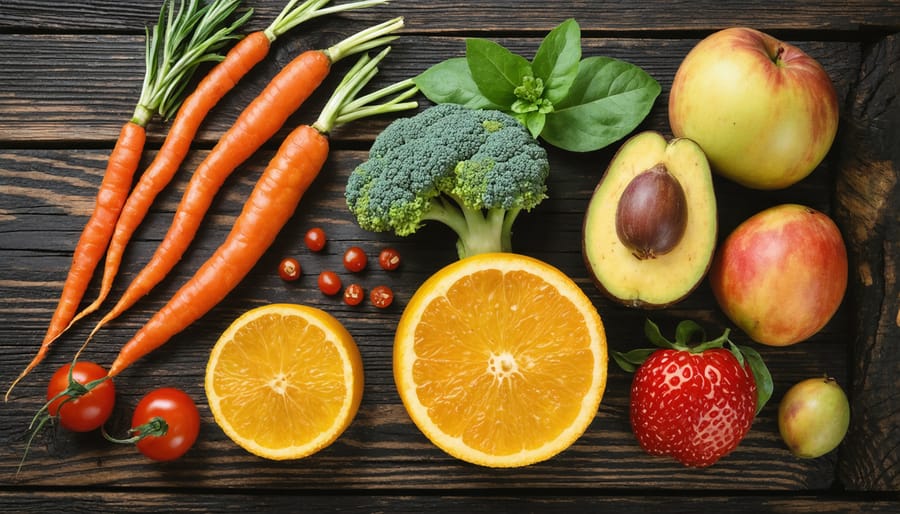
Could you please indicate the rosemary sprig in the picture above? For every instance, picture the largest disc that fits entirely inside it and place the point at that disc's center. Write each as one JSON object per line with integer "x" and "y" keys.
{"x": 176, "y": 45}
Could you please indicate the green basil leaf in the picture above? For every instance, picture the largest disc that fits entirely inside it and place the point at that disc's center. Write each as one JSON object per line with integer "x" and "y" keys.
{"x": 534, "y": 121}
{"x": 556, "y": 61}
{"x": 450, "y": 82}
{"x": 496, "y": 71}
{"x": 608, "y": 99}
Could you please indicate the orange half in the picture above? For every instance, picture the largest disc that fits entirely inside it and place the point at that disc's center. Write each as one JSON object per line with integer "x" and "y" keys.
{"x": 284, "y": 381}
{"x": 501, "y": 360}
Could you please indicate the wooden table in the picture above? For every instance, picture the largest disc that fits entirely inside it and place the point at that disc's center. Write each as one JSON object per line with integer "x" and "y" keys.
{"x": 70, "y": 73}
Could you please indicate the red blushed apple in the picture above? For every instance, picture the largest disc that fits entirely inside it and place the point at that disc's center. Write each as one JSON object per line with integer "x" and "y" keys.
{"x": 781, "y": 275}
{"x": 764, "y": 112}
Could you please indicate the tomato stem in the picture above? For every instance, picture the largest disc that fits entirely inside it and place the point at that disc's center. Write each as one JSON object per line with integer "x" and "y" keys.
{"x": 156, "y": 427}
{"x": 33, "y": 434}
{"x": 73, "y": 391}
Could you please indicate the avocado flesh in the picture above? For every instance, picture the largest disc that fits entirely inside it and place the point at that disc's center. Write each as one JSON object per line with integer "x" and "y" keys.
{"x": 665, "y": 279}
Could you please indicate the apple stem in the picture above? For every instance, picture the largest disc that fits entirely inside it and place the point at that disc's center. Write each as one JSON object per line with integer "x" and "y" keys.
{"x": 778, "y": 53}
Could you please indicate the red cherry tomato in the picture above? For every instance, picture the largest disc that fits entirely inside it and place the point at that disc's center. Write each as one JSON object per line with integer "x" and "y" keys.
{"x": 167, "y": 422}
{"x": 289, "y": 269}
{"x": 355, "y": 259}
{"x": 83, "y": 412}
{"x": 389, "y": 259}
{"x": 315, "y": 239}
{"x": 329, "y": 283}
{"x": 353, "y": 294}
{"x": 381, "y": 296}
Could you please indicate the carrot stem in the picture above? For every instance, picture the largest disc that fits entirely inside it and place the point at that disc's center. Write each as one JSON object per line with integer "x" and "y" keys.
{"x": 343, "y": 106}
{"x": 365, "y": 40}
{"x": 292, "y": 15}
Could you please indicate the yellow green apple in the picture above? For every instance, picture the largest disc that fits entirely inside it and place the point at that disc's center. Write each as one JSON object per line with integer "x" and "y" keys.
{"x": 764, "y": 111}
{"x": 813, "y": 417}
{"x": 781, "y": 275}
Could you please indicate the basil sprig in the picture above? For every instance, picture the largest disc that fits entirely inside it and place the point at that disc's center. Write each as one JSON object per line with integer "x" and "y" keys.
{"x": 572, "y": 103}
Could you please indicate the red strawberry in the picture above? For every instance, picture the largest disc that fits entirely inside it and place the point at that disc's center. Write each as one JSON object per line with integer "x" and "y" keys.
{"x": 697, "y": 403}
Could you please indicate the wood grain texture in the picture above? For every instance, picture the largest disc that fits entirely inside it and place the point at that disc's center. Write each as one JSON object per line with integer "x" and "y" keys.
{"x": 401, "y": 503}
{"x": 488, "y": 15}
{"x": 48, "y": 101}
{"x": 70, "y": 73}
{"x": 868, "y": 196}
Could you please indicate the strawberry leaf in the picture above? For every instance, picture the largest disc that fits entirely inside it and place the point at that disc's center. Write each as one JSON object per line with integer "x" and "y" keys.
{"x": 687, "y": 331}
{"x": 651, "y": 330}
{"x": 718, "y": 342}
{"x": 736, "y": 351}
{"x": 764, "y": 385}
{"x": 631, "y": 361}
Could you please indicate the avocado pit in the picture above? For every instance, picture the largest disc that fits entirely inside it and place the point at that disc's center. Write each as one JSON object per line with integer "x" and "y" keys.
{"x": 651, "y": 216}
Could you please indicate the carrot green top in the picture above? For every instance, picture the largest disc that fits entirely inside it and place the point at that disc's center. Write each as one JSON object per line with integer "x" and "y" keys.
{"x": 293, "y": 14}
{"x": 176, "y": 45}
{"x": 344, "y": 106}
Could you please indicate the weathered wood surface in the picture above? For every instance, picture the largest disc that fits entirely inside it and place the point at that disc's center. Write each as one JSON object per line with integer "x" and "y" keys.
{"x": 48, "y": 102}
{"x": 69, "y": 76}
{"x": 484, "y": 15}
{"x": 402, "y": 503}
{"x": 868, "y": 193}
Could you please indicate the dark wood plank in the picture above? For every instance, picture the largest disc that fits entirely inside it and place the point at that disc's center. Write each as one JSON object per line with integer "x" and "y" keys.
{"x": 486, "y": 15}
{"x": 46, "y": 100}
{"x": 868, "y": 196}
{"x": 400, "y": 503}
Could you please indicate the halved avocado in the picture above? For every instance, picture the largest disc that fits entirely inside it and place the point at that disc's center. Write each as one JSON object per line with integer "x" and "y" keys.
{"x": 650, "y": 228}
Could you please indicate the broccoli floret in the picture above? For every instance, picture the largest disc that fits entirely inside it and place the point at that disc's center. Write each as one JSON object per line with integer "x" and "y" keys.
{"x": 474, "y": 170}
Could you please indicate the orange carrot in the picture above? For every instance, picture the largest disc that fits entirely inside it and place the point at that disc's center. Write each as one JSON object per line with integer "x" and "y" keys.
{"x": 220, "y": 80}
{"x": 177, "y": 44}
{"x": 270, "y": 205}
{"x": 259, "y": 121}
{"x": 120, "y": 167}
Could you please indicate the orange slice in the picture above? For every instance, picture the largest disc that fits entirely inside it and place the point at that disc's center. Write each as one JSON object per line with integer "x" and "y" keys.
{"x": 284, "y": 381}
{"x": 501, "y": 360}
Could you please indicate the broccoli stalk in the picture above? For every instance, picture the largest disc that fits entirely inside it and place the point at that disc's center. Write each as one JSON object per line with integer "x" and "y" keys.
{"x": 473, "y": 170}
{"x": 479, "y": 231}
